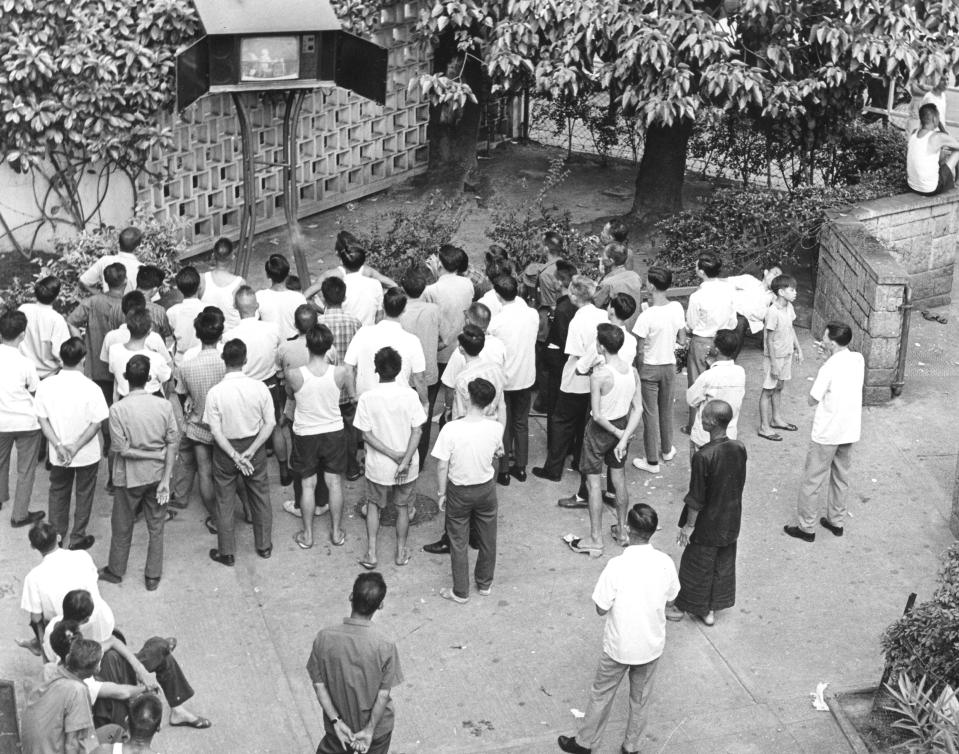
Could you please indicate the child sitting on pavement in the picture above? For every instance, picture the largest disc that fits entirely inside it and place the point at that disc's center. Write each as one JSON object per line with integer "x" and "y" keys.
{"x": 780, "y": 345}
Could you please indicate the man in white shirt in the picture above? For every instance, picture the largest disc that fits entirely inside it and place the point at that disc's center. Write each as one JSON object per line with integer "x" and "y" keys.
{"x": 154, "y": 342}
{"x": 46, "y": 328}
{"x": 516, "y": 326}
{"x": 128, "y": 241}
{"x": 837, "y": 396}
{"x": 452, "y": 294}
{"x": 364, "y": 294}
{"x": 752, "y": 297}
{"x": 140, "y": 326}
{"x": 18, "y": 418}
{"x": 565, "y": 426}
{"x": 725, "y": 381}
{"x": 711, "y": 307}
{"x": 389, "y": 332}
{"x": 278, "y": 303}
{"x": 631, "y": 593}
{"x": 181, "y": 316}
{"x": 71, "y": 407}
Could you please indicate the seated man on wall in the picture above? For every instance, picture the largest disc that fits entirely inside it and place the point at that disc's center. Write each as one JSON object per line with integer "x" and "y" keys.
{"x": 931, "y": 156}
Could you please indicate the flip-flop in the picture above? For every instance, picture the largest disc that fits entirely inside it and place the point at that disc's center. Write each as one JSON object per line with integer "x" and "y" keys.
{"x": 369, "y": 565}
{"x": 572, "y": 542}
{"x": 773, "y": 437}
{"x": 210, "y": 525}
{"x": 338, "y": 542}
{"x": 787, "y": 427}
{"x": 169, "y": 515}
{"x": 298, "y": 538}
{"x": 402, "y": 561}
{"x": 363, "y": 509}
{"x": 614, "y": 531}
{"x": 200, "y": 723}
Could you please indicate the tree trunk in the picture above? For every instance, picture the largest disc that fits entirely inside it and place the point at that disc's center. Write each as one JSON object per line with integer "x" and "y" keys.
{"x": 662, "y": 170}
{"x": 453, "y": 146}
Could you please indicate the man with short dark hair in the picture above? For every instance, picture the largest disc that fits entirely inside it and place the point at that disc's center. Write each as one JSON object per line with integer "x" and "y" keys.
{"x": 140, "y": 326}
{"x": 46, "y": 328}
{"x": 94, "y": 279}
{"x": 218, "y": 285}
{"x": 422, "y": 319}
{"x": 149, "y": 281}
{"x": 182, "y": 316}
{"x": 353, "y": 667}
{"x": 618, "y": 279}
{"x": 71, "y": 408}
{"x": 146, "y": 714}
{"x": 277, "y": 304}
{"x": 631, "y": 593}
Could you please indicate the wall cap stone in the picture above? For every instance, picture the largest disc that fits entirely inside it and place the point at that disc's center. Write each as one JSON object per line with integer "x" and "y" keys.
{"x": 907, "y": 202}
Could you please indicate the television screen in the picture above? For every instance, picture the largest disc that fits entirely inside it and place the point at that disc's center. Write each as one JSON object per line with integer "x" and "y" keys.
{"x": 269, "y": 58}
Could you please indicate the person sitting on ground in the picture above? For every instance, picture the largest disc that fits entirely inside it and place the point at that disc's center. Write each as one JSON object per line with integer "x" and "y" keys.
{"x": 931, "y": 155}
{"x": 146, "y": 713}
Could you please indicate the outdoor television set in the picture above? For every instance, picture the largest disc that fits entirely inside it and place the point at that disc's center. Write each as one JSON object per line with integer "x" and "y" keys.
{"x": 267, "y": 60}
{"x": 270, "y": 58}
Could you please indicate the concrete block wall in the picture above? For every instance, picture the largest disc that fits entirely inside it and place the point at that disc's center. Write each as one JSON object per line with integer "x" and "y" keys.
{"x": 921, "y": 234}
{"x": 860, "y": 282}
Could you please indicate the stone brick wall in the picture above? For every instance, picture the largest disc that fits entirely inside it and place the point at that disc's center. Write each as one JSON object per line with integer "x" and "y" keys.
{"x": 860, "y": 282}
{"x": 920, "y": 233}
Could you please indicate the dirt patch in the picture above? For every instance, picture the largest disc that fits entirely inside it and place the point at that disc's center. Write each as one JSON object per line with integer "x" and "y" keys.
{"x": 868, "y": 716}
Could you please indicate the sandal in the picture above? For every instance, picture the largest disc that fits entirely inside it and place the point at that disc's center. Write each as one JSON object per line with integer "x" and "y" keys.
{"x": 774, "y": 437}
{"x": 404, "y": 558}
{"x": 200, "y": 723}
{"x": 298, "y": 538}
{"x": 338, "y": 542}
{"x": 788, "y": 427}
{"x": 369, "y": 565}
{"x": 573, "y": 543}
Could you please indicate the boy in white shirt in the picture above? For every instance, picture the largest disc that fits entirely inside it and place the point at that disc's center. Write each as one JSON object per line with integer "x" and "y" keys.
{"x": 46, "y": 328}
{"x": 181, "y": 316}
{"x": 780, "y": 346}
{"x": 725, "y": 380}
{"x": 390, "y": 417}
{"x": 278, "y": 303}
{"x": 140, "y": 327}
{"x": 131, "y": 301}
{"x": 466, "y": 450}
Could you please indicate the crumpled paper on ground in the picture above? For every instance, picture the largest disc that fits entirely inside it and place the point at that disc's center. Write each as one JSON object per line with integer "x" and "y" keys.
{"x": 818, "y": 702}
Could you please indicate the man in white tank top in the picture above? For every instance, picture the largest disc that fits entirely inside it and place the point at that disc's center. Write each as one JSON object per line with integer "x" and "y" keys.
{"x": 219, "y": 284}
{"x": 931, "y": 156}
{"x": 616, "y": 408}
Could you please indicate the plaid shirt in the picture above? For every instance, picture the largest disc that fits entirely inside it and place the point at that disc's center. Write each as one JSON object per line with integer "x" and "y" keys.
{"x": 197, "y": 376}
{"x": 343, "y": 326}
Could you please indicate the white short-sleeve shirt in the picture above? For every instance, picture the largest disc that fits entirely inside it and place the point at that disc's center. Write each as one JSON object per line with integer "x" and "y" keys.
{"x": 516, "y": 326}
{"x": 94, "y": 276}
{"x": 181, "y": 317}
{"x": 391, "y": 411}
{"x": 44, "y": 324}
{"x": 494, "y": 352}
{"x": 262, "y": 340}
{"x": 71, "y": 402}
{"x": 838, "y": 388}
{"x": 657, "y": 326}
{"x": 18, "y": 379}
{"x": 364, "y": 297}
{"x": 118, "y": 357}
{"x": 153, "y": 342}
{"x": 711, "y": 308}
{"x": 470, "y": 445}
{"x": 279, "y": 307}
{"x": 371, "y": 338}
{"x": 580, "y": 338}
{"x": 635, "y": 587}
{"x": 240, "y": 405}
{"x": 725, "y": 381}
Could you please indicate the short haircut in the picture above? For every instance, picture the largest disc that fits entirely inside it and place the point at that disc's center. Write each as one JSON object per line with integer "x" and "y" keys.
{"x": 623, "y": 305}
{"x": 496, "y": 266}
{"x": 928, "y": 114}
{"x": 348, "y": 249}
{"x": 115, "y": 275}
{"x": 319, "y": 339}
{"x": 222, "y": 249}
{"x": 506, "y": 287}
{"x": 414, "y": 283}
{"x": 129, "y": 239}
{"x": 146, "y": 713}
{"x": 462, "y": 262}
{"x": 244, "y": 299}
{"x": 304, "y": 316}
{"x": 479, "y": 315}
{"x": 450, "y": 257}
{"x": 277, "y": 268}
{"x": 564, "y": 272}
{"x": 660, "y": 278}
{"x": 149, "y": 276}
{"x": 387, "y": 362}
{"x": 481, "y": 392}
{"x": 780, "y": 282}
{"x": 208, "y": 327}
{"x": 710, "y": 264}
{"x": 293, "y": 283}
{"x": 132, "y": 301}
{"x": 727, "y": 342}
{"x": 582, "y": 287}
{"x": 216, "y": 311}
{"x": 344, "y": 239}
{"x": 369, "y": 589}
{"x": 188, "y": 281}
{"x": 394, "y": 302}
{"x": 719, "y": 411}
{"x": 643, "y": 520}
{"x": 472, "y": 340}
{"x": 77, "y": 605}
{"x": 13, "y": 323}
{"x": 137, "y": 371}
{"x": 139, "y": 323}
{"x": 62, "y": 637}
{"x": 616, "y": 253}
{"x": 333, "y": 290}
{"x": 234, "y": 353}
{"x": 618, "y": 231}
{"x": 553, "y": 242}
{"x": 610, "y": 337}
{"x": 72, "y": 351}
{"x": 83, "y": 658}
{"x": 839, "y": 333}
{"x": 47, "y": 289}
{"x": 43, "y": 537}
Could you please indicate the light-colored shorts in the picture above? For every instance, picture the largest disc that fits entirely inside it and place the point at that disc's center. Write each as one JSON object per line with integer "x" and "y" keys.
{"x": 784, "y": 369}
{"x": 379, "y": 494}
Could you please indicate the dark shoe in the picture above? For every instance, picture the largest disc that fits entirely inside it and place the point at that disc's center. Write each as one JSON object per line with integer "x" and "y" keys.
{"x": 503, "y": 478}
{"x": 622, "y": 750}
{"x": 265, "y": 553}
{"x": 572, "y": 502}
{"x": 568, "y": 744}
{"x": 609, "y": 498}
{"x": 210, "y": 525}
{"x": 442, "y": 547}
{"x": 354, "y": 475}
{"x": 227, "y": 560}
{"x": 109, "y": 576}
{"x": 795, "y": 531}
{"x": 539, "y": 471}
{"x": 179, "y": 504}
{"x": 286, "y": 478}
{"x": 837, "y": 530}
{"x": 32, "y": 518}
{"x": 84, "y": 543}
{"x": 151, "y": 583}
{"x": 518, "y": 473}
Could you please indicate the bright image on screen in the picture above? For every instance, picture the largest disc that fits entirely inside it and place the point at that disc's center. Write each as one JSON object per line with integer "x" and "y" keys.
{"x": 269, "y": 58}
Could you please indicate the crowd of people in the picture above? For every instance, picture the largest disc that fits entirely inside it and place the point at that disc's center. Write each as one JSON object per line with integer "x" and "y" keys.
{"x": 343, "y": 380}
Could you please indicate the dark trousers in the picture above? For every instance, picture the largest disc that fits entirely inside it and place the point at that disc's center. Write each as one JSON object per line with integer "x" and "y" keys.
{"x": 28, "y": 451}
{"x": 742, "y": 330}
{"x": 106, "y": 387}
{"x": 127, "y": 502}
{"x": 564, "y": 434}
{"x": 227, "y": 481}
{"x": 62, "y": 479}
{"x": 516, "y": 432}
{"x": 331, "y": 745}
{"x": 348, "y": 412}
{"x": 553, "y": 360}
{"x": 432, "y": 393}
{"x": 696, "y": 364}
{"x": 156, "y": 658}
{"x": 471, "y": 506}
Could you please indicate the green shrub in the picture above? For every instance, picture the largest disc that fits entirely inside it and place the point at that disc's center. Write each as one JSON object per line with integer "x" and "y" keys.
{"x": 929, "y": 719}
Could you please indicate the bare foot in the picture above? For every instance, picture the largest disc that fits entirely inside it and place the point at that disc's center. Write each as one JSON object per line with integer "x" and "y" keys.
{"x": 403, "y": 557}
